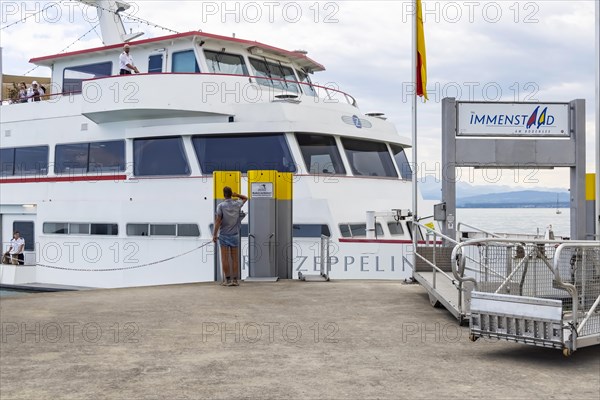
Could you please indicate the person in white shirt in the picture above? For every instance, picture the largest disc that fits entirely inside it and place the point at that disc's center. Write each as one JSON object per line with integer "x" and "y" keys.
{"x": 126, "y": 62}
{"x": 35, "y": 92}
{"x": 15, "y": 251}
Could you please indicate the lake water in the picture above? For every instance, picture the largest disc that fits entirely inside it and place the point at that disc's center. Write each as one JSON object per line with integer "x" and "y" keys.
{"x": 516, "y": 220}
{"x": 12, "y": 293}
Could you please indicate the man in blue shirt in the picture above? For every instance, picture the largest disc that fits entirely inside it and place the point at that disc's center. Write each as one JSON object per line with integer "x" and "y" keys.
{"x": 227, "y": 226}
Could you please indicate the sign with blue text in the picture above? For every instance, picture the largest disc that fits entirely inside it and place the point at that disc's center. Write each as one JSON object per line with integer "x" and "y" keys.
{"x": 513, "y": 119}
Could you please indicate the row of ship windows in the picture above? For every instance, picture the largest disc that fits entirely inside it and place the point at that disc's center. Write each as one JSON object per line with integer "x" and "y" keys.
{"x": 186, "y": 62}
{"x": 192, "y": 230}
{"x": 26, "y": 229}
{"x": 166, "y": 156}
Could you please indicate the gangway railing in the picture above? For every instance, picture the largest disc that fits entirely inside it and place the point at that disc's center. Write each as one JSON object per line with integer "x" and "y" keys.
{"x": 433, "y": 261}
{"x": 540, "y": 292}
{"x": 488, "y": 233}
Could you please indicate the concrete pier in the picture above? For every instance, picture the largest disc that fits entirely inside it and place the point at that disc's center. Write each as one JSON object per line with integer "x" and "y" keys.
{"x": 338, "y": 340}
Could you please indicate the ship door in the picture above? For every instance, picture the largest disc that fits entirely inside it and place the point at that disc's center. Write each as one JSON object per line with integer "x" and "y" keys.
{"x": 25, "y": 224}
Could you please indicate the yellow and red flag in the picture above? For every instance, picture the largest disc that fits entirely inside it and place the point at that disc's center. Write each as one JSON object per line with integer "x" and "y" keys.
{"x": 421, "y": 58}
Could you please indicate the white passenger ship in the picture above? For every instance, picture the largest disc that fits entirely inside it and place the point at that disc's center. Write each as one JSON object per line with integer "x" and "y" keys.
{"x": 109, "y": 180}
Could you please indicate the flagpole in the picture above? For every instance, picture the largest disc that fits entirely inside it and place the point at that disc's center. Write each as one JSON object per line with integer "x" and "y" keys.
{"x": 597, "y": 29}
{"x": 414, "y": 138}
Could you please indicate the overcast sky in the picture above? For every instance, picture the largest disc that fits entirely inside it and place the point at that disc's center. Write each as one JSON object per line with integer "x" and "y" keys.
{"x": 476, "y": 50}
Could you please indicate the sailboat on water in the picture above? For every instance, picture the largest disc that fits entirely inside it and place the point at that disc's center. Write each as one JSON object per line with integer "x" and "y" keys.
{"x": 557, "y": 209}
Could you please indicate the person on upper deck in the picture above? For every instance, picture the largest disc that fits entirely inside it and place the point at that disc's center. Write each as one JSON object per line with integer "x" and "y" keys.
{"x": 126, "y": 62}
{"x": 35, "y": 92}
{"x": 22, "y": 95}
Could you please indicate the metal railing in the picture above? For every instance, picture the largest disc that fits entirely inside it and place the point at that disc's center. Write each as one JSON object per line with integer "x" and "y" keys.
{"x": 580, "y": 276}
{"x": 568, "y": 271}
{"x": 325, "y": 261}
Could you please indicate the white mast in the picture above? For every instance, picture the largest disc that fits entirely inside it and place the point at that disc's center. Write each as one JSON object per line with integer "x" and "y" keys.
{"x": 111, "y": 25}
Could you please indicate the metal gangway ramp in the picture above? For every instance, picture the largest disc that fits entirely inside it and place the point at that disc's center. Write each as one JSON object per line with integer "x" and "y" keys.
{"x": 433, "y": 270}
{"x": 537, "y": 292}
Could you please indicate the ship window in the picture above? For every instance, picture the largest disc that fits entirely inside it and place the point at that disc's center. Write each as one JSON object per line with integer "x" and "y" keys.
{"x": 223, "y": 63}
{"x": 402, "y": 162}
{"x": 25, "y": 229}
{"x": 359, "y": 230}
{"x": 184, "y": 230}
{"x": 31, "y": 160}
{"x": 278, "y": 71}
{"x": 97, "y": 157}
{"x": 310, "y": 230}
{"x": 243, "y": 153}
{"x": 137, "y": 229}
{"x": 160, "y": 156}
{"x": 155, "y": 63}
{"x": 73, "y": 77}
{"x": 307, "y": 88}
{"x": 104, "y": 229}
{"x": 57, "y": 228}
{"x": 79, "y": 229}
{"x": 64, "y": 228}
{"x": 185, "y": 61}
{"x": 191, "y": 230}
{"x": 320, "y": 154}
{"x": 162, "y": 229}
{"x": 7, "y": 161}
{"x": 395, "y": 229}
{"x": 369, "y": 158}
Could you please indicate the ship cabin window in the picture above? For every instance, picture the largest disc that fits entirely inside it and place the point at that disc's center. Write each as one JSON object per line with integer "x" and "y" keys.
{"x": 369, "y": 158}
{"x": 396, "y": 229}
{"x": 243, "y": 153}
{"x": 310, "y": 230}
{"x": 95, "y": 157}
{"x": 181, "y": 230}
{"x": 79, "y": 229}
{"x": 185, "y": 61}
{"x": 24, "y": 161}
{"x": 104, "y": 229}
{"x": 402, "y": 162}
{"x": 73, "y": 77}
{"x": 155, "y": 64}
{"x": 25, "y": 229}
{"x": 160, "y": 157}
{"x": 223, "y": 63}
{"x": 277, "y": 73}
{"x": 320, "y": 154}
{"x": 308, "y": 87}
{"x": 64, "y": 228}
{"x": 57, "y": 228}
{"x": 359, "y": 230}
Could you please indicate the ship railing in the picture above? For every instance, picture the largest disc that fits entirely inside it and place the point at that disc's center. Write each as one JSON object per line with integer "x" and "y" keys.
{"x": 283, "y": 89}
{"x": 289, "y": 88}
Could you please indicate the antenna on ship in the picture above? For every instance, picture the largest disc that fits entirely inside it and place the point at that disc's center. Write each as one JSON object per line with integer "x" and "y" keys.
{"x": 111, "y": 24}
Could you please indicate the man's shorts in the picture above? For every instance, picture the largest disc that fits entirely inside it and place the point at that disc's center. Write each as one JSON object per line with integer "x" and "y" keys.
{"x": 229, "y": 240}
